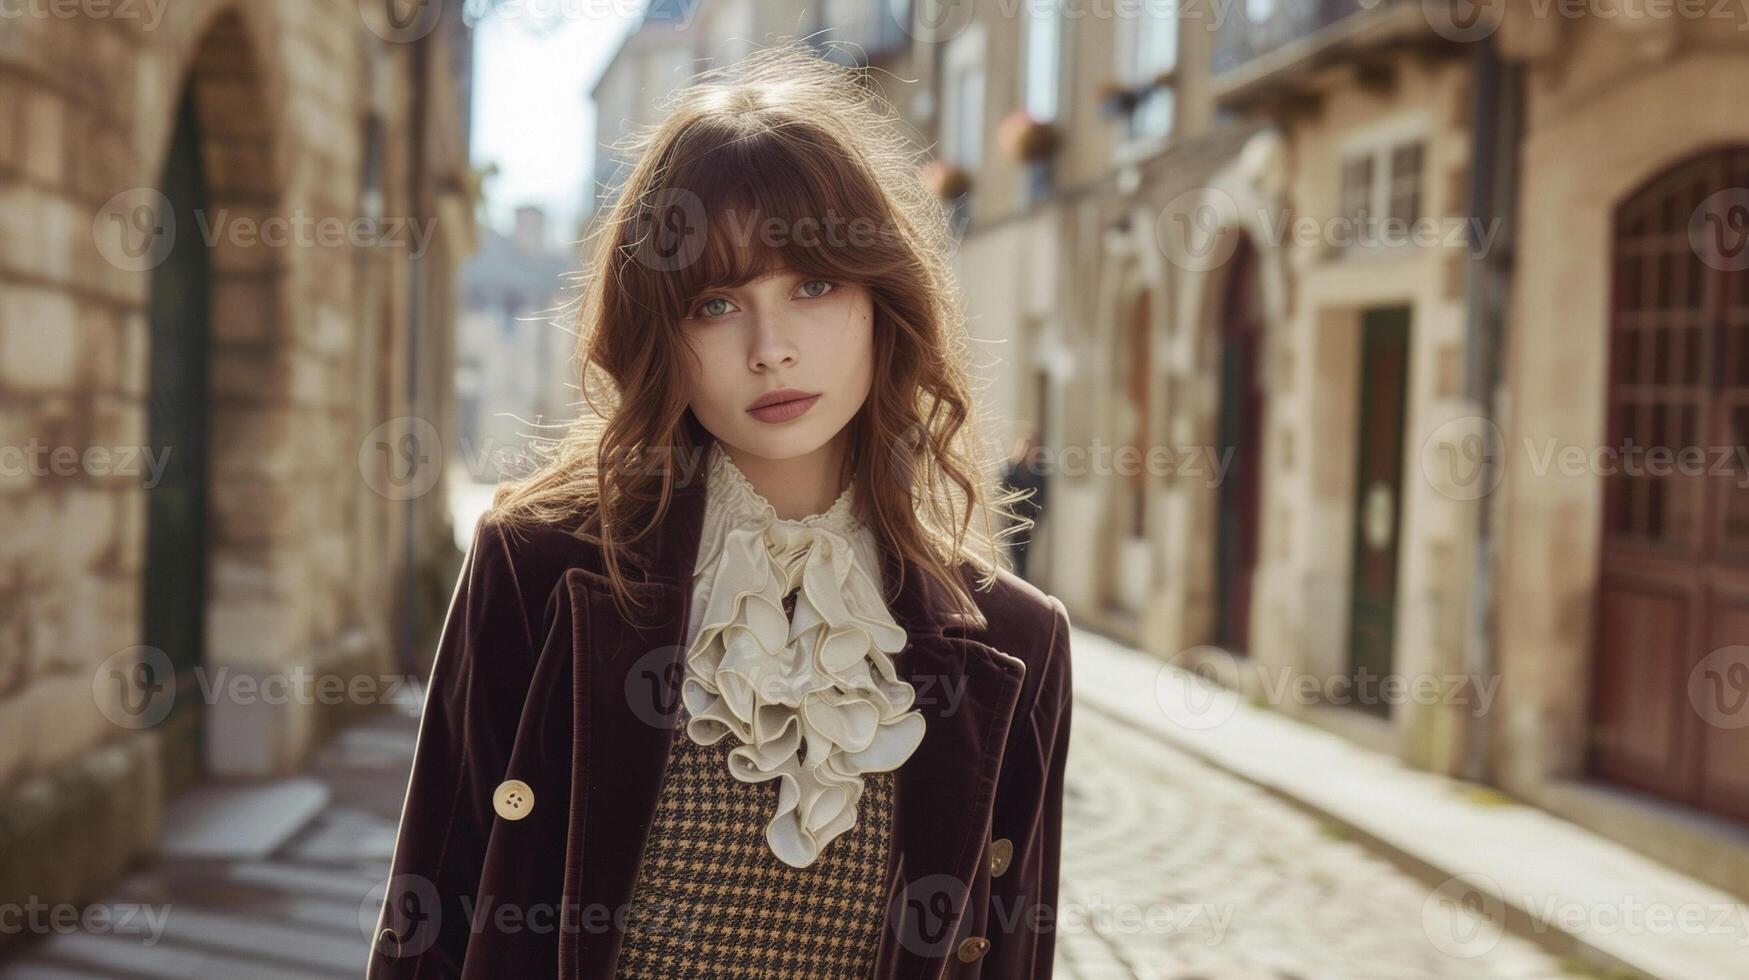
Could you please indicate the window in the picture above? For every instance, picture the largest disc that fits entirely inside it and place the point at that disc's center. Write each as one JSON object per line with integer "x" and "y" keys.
{"x": 1380, "y": 196}
{"x": 962, "y": 118}
{"x": 1405, "y": 192}
{"x": 1357, "y": 184}
{"x": 1153, "y": 56}
{"x": 1044, "y": 59}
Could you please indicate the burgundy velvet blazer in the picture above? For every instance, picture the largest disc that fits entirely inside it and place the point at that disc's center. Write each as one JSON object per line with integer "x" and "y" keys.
{"x": 547, "y": 729}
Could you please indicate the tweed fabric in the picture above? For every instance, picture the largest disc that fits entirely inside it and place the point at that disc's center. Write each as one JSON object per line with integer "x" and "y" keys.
{"x": 713, "y": 901}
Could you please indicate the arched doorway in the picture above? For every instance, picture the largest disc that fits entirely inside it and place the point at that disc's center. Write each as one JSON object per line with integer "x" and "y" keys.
{"x": 178, "y": 396}
{"x": 218, "y": 378}
{"x": 1129, "y": 581}
{"x": 1672, "y": 616}
{"x": 1239, "y": 437}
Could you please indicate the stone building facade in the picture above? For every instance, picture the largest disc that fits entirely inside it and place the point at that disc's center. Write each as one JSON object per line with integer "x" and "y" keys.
{"x": 229, "y": 234}
{"x": 1621, "y": 606}
{"x": 1381, "y": 258}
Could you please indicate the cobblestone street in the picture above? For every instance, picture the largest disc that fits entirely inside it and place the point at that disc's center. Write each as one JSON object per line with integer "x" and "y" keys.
{"x": 1173, "y": 869}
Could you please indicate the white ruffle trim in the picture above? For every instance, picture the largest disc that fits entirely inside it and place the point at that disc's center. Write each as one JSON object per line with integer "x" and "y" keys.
{"x": 813, "y": 698}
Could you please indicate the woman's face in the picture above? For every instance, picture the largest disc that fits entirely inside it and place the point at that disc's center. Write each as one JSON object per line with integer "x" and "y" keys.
{"x": 785, "y": 331}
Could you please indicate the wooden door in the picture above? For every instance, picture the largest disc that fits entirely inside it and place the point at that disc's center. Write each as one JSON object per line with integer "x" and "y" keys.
{"x": 1670, "y": 673}
{"x": 176, "y": 543}
{"x": 1378, "y": 501}
{"x": 1239, "y": 433}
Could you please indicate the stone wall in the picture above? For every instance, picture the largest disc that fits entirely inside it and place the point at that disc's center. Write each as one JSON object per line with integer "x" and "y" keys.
{"x": 310, "y": 322}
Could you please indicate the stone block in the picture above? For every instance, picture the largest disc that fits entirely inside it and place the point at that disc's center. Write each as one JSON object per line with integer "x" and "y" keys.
{"x": 253, "y": 443}
{"x": 99, "y": 367}
{"x": 14, "y": 728}
{"x": 65, "y": 718}
{"x": 87, "y": 529}
{"x": 254, "y": 631}
{"x": 244, "y": 308}
{"x": 38, "y": 346}
{"x": 18, "y": 210}
{"x": 45, "y": 152}
{"x": 11, "y": 122}
{"x": 68, "y": 834}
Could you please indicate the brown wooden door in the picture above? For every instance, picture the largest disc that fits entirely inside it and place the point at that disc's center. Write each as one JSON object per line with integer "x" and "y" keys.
{"x": 1240, "y": 433}
{"x": 1670, "y": 691}
{"x": 1378, "y": 501}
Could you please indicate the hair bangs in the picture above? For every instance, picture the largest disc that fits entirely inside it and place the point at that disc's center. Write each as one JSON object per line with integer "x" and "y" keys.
{"x": 768, "y": 202}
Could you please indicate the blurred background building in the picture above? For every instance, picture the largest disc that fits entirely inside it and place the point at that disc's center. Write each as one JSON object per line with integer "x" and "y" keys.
{"x": 229, "y": 241}
{"x": 515, "y": 353}
{"x": 1352, "y": 330}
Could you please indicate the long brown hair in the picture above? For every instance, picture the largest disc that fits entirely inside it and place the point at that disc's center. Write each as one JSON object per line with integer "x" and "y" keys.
{"x": 782, "y": 159}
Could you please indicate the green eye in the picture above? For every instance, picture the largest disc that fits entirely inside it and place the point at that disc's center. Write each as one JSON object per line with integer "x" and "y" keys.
{"x": 706, "y": 307}
{"x": 816, "y": 282}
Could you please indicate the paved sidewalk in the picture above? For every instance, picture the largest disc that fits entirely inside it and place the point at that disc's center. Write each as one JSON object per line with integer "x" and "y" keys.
{"x": 225, "y": 902}
{"x": 1508, "y": 865}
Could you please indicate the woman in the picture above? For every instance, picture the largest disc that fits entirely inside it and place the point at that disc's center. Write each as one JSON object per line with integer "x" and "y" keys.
{"x": 734, "y": 684}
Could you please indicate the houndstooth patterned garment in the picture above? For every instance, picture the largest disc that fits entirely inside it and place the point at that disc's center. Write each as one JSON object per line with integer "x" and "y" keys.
{"x": 713, "y": 901}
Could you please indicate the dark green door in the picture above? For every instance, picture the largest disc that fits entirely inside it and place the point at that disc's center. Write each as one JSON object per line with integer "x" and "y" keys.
{"x": 176, "y": 546}
{"x": 1240, "y": 440}
{"x": 1378, "y": 499}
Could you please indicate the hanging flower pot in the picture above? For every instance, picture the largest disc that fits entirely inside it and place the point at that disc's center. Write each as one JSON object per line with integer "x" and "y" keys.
{"x": 1025, "y": 139}
{"x": 948, "y": 180}
{"x": 1117, "y": 99}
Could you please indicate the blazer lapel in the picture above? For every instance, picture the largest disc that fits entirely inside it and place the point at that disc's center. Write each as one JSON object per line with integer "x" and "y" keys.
{"x": 944, "y": 793}
{"x": 625, "y": 698}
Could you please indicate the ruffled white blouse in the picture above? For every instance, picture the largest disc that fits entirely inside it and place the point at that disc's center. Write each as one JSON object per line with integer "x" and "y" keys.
{"x": 812, "y": 696}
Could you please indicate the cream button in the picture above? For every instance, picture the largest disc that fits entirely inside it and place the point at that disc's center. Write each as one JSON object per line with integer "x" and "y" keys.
{"x": 1001, "y": 854}
{"x": 973, "y": 948}
{"x": 513, "y": 799}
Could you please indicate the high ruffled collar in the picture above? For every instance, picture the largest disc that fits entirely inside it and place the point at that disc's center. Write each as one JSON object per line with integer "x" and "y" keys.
{"x": 811, "y": 696}
{"x": 734, "y": 494}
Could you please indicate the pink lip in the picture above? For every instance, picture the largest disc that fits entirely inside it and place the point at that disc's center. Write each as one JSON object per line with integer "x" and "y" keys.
{"x": 783, "y": 411}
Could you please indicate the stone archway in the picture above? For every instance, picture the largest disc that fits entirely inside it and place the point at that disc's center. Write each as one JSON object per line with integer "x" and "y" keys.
{"x": 219, "y": 375}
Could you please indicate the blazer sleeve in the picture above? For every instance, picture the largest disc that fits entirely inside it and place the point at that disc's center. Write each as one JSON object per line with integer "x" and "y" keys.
{"x": 479, "y": 679}
{"x": 1025, "y": 896}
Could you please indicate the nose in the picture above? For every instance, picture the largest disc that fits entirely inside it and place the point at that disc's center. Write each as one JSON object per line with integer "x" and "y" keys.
{"x": 773, "y": 342}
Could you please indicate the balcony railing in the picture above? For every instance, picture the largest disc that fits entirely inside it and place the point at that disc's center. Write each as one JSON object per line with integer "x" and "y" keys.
{"x": 1255, "y": 28}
